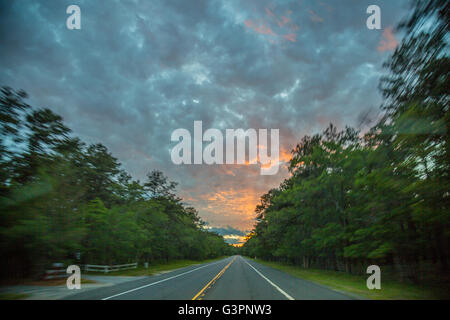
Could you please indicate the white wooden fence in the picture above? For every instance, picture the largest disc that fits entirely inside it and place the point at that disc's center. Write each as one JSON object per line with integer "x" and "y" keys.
{"x": 56, "y": 272}
{"x": 106, "y": 269}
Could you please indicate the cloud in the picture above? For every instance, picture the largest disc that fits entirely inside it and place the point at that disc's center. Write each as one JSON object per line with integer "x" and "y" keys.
{"x": 286, "y": 29}
{"x": 388, "y": 43}
{"x": 137, "y": 70}
{"x": 230, "y": 234}
{"x": 259, "y": 27}
{"x": 314, "y": 16}
{"x": 228, "y": 230}
{"x": 290, "y": 37}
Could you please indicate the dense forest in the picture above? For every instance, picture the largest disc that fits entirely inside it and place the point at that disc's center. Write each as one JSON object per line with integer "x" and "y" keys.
{"x": 64, "y": 201}
{"x": 381, "y": 197}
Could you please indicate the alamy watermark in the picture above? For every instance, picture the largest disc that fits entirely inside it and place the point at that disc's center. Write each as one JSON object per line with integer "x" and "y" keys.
{"x": 374, "y": 20}
{"x": 213, "y": 153}
{"x": 73, "y": 22}
{"x": 374, "y": 281}
{"x": 74, "y": 280}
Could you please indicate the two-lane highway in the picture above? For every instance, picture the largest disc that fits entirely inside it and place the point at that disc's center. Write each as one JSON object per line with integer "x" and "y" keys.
{"x": 233, "y": 278}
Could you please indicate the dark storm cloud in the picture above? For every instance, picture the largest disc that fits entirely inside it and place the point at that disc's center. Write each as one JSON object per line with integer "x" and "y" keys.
{"x": 137, "y": 70}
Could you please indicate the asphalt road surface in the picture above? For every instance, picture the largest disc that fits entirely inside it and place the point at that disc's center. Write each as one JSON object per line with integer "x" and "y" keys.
{"x": 233, "y": 278}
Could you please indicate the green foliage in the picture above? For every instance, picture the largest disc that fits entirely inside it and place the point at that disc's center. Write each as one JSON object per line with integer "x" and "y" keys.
{"x": 60, "y": 198}
{"x": 383, "y": 197}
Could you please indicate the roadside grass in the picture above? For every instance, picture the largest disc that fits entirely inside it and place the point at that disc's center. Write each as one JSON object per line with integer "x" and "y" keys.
{"x": 356, "y": 284}
{"x": 43, "y": 283}
{"x": 55, "y": 282}
{"x": 13, "y": 296}
{"x": 155, "y": 268}
{"x": 140, "y": 271}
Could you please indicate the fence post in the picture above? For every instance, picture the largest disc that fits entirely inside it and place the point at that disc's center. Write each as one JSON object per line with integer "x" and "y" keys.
{"x": 57, "y": 271}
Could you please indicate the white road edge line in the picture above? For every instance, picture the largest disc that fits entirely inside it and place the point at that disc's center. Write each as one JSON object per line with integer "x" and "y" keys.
{"x": 163, "y": 280}
{"x": 273, "y": 284}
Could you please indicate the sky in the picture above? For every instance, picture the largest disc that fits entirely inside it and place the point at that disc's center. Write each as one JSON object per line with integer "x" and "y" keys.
{"x": 138, "y": 70}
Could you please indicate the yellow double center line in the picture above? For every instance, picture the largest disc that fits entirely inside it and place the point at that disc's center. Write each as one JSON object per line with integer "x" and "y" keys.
{"x": 213, "y": 280}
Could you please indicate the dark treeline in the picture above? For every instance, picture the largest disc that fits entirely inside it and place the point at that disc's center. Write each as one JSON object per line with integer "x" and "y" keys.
{"x": 381, "y": 198}
{"x": 60, "y": 199}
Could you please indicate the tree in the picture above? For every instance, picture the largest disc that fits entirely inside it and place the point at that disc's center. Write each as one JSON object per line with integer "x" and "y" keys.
{"x": 60, "y": 197}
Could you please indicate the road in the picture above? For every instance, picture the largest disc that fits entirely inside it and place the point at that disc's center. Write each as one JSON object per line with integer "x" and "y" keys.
{"x": 233, "y": 278}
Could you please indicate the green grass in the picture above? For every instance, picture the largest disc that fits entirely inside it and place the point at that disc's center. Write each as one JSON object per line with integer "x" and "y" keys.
{"x": 44, "y": 283}
{"x": 356, "y": 284}
{"x": 155, "y": 268}
{"x": 13, "y": 296}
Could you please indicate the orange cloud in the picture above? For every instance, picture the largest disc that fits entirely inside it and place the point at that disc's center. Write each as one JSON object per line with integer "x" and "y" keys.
{"x": 239, "y": 202}
{"x": 388, "y": 42}
{"x": 234, "y": 191}
{"x": 315, "y": 17}
{"x": 290, "y": 37}
{"x": 286, "y": 29}
{"x": 233, "y": 201}
{"x": 285, "y": 155}
{"x": 284, "y": 20}
{"x": 240, "y": 239}
{"x": 270, "y": 13}
{"x": 326, "y": 6}
{"x": 260, "y": 28}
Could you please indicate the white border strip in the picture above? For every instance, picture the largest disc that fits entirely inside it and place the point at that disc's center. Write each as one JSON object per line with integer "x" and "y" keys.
{"x": 163, "y": 280}
{"x": 273, "y": 284}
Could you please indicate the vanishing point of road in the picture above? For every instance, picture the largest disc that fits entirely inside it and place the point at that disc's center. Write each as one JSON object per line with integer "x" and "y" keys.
{"x": 232, "y": 278}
